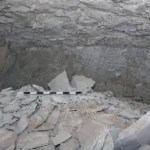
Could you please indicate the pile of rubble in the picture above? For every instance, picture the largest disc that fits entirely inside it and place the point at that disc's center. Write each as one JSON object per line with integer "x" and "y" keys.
{"x": 90, "y": 121}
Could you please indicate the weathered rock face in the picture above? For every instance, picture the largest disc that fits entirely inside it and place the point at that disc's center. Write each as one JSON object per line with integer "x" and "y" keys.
{"x": 107, "y": 40}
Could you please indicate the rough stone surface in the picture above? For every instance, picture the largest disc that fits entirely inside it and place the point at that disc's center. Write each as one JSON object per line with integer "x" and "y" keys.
{"x": 81, "y": 83}
{"x": 7, "y": 139}
{"x": 107, "y": 41}
{"x": 61, "y": 137}
{"x": 60, "y": 83}
{"x": 33, "y": 140}
{"x": 145, "y": 147}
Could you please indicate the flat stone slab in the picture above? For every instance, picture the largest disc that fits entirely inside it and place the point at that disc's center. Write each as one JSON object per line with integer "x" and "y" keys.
{"x": 82, "y": 83}
{"x": 60, "y": 83}
{"x": 61, "y": 137}
{"x": 7, "y": 139}
{"x": 33, "y": 140}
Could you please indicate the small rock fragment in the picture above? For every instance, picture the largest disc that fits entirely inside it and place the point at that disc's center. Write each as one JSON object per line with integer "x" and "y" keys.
{"x": 33, "y": 140}
{"x": 61, "y": 137}
{"x": 22, "y": 124}
{"x": 81, "y": 83}
{"x": 38, "y": 88}
{"x": 60, "y": 83}
{"x": 7, "y": 139}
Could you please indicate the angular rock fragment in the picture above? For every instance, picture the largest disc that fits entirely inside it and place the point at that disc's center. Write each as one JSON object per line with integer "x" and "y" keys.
{"x": 12, "y": 107}
{"x": 60, "y": 83}
{"x": 61, "y": 137}
{"x": 32, "y": 140}
{"x": 82, "y": 83}
{"x": 92, "y": 135}
{"x": 22, "y": 124}
{"x": 28, "y": 100}
{"x": 6, "y": 99}
{"x": 7, "y": 139}
{"x": 38, "y": 88}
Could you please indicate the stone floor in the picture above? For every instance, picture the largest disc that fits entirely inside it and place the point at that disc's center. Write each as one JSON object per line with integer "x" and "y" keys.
{"x": 91, "y": 121}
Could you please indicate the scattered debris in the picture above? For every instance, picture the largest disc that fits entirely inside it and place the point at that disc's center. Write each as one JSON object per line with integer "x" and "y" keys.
{"x": 72, "y": 122}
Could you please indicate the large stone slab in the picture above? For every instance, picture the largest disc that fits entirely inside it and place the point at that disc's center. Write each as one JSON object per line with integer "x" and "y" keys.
{"x": 60, "y": 83}
{"x": 33, "y": 140}
{"x": 92, "y": 135}
{"x": 82, "y": 83}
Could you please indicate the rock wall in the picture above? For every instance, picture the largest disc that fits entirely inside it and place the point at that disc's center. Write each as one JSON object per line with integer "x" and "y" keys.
{"x": 107, "y": 40}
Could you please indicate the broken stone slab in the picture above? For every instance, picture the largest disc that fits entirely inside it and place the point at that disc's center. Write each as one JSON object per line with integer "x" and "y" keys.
{"x": 129, "y": 114}
{"x": 40, "y": 116}
{"x": 108, "y": 144}
{"x": 6, "y": 99}
{"x": 82, "y": 83}
{"x": 92, "y": 135}
{"x": 71, "y": 144}
{"x": 61, "y": 137}
{"x": 22, "y": 124}
{"x": 144, "y": 147}
{"x": 60, "y": 83}
{"x": 12, "y": 107}
{"x": 32, "y": 140}
{"x": 135, "y": 135}
{"x": 7, "y": 139}
{"x": 7, "y": 91}
{"x": 28, "y": 100}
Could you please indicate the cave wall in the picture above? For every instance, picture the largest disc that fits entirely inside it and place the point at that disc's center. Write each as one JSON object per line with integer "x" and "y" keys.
{"x": 107, "y": 40}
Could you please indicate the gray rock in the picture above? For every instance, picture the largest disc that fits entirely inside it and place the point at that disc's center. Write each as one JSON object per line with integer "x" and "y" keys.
{"x": 61, "y": 137}
{"x": 40, "y": 116}
{"x": 82, "y": 83}
{"x": 22, "y": 124}
{"x": 28, "y": 100}
{"x": 12, "y": 107}
{"x": 7, "y": 139}
{"x": 60, "y": 83}
{"x": 6, "y": 99}
{"x": 32, "y": 140}
{"x": 145, "y": 147}
{"x": 92, "y": 135}
{"x": 71, "y": 144}
{"x": 135, "y": 135}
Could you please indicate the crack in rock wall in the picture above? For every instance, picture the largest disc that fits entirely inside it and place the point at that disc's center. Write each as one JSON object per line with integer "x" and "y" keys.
{"x": 107, "y": 40}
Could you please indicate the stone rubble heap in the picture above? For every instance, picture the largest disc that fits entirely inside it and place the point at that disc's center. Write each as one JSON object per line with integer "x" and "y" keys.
{"x": 91, "y": 121}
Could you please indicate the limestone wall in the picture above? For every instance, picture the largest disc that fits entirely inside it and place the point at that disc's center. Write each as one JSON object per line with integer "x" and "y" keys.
{"x": 107, "y": 40}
